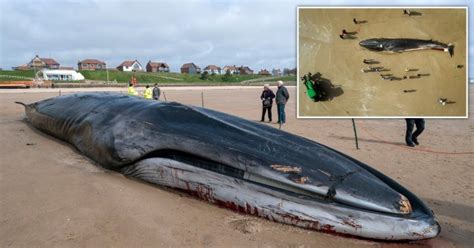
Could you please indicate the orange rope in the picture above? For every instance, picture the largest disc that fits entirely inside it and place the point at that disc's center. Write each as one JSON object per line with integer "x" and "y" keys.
{"x": 411, "y": 148}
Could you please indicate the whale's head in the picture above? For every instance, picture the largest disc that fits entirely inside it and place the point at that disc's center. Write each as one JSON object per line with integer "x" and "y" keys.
{"x": 373, "y": 44}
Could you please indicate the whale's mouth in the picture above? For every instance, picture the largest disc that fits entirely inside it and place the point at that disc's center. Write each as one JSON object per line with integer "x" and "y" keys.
{"x": 227, "y": 170}
{"x": 300, "y": 190}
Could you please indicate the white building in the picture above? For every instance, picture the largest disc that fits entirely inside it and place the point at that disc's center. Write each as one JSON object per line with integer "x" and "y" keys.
{"x": 130, "y": 65}
{"x": 213, "y": 69}
{"x": 59, "y": 75}
{"x": 231, "y": 68}
{"x": 276, "y": 72}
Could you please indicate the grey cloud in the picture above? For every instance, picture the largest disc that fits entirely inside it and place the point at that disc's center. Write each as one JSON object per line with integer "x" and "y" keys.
{"x": 260, "y": 34}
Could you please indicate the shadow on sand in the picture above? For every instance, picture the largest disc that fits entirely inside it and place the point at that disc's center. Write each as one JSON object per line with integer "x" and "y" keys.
{"x": 413, "y": 13}
{"x": 331, "y": 90}
{"x": 452, "y": 209}
{"x": 458, "y": 211}
{"x": 348, "y": 37}
{"x": 359, "y": 21}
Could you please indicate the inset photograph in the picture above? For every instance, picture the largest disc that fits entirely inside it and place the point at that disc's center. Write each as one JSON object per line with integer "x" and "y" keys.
{"x": 382, "y": 62}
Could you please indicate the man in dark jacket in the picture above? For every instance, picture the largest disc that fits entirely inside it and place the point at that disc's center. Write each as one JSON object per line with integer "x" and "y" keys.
{"x": 411, "y": 137}
{"x": 282, "y": 97}
{"x": 267, "y": 101}
{"x": 156, "y": 92}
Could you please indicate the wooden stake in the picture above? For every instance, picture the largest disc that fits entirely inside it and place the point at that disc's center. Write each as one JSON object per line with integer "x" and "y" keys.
{"x": 355, "y": 134}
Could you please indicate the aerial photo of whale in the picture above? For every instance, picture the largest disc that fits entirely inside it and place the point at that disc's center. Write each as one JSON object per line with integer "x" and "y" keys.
{"x": 382, "y": 62}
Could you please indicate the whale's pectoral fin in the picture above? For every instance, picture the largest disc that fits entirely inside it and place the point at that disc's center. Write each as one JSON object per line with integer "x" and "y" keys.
{"x": 397, "y": 50}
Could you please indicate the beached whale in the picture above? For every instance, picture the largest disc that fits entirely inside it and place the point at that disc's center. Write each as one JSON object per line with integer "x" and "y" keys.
{"x": 404, "y": 45}
{"x": 235, "y": 163}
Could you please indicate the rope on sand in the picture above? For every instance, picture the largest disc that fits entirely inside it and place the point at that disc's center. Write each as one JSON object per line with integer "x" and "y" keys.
{"x": 411, "y": 148}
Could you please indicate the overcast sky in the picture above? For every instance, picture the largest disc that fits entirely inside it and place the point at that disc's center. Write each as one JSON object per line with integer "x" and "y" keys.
{"x": 260, "y": 34}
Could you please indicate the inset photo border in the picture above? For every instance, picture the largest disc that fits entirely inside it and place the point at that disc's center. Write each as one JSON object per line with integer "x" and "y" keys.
{"x": 382, "y": 62}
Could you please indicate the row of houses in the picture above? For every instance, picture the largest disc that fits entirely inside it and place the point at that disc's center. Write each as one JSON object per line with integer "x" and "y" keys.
{"x": 135, "y": 66}
{"x": 192, "y": 68}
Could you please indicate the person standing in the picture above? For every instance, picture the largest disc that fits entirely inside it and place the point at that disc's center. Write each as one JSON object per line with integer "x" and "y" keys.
{"x": 156, "y": 92}
{"x": 131, "y": 90}
{"x": 267, "y": 102}
{"x": 148, "y": 94}
{"x": 282, "y": 97}
{"x": 411, "y": 137}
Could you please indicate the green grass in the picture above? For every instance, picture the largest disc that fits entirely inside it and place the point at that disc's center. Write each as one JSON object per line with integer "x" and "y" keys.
{"x": 163, "y": 77}
{"x": 148, "y": 78}
{"x": 16, "y": 75}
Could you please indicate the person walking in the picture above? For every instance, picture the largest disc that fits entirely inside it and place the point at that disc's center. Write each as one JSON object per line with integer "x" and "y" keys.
{"x": 267, "y": 102}
{"x": 156, "y": 92}
{"x": 411, "y": 137}
{"x": 148, "y": 94}
{"x": 282, "y": 97}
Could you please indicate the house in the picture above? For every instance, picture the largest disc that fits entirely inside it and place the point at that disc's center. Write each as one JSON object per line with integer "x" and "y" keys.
{"x": 130, "y": 65}
{"x": 245, "y": 70}
{"x": 264, "y": 72}
{"x": 91, "y": 65}
{"x": 276, "y": 72}
{"x": 287, "y": 71}
{"x": 23, "y": 67}
{"x": 213, "y": 69}
{"x": 231, "y": 68}
{"x": 190, "y": 68}
{"x": 38, "y": 62}
{"x": 157, "y": 67}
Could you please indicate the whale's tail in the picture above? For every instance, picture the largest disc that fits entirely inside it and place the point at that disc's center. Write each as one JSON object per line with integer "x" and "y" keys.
{"x": 450, "y": 49}
{"x": 27, "y": 107}
{"x": 24, "y": 104}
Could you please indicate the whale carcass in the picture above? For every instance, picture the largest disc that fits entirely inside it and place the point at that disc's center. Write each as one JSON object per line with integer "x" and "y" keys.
{"x": 405, "y": 45}
{"x": 235, "y": 163}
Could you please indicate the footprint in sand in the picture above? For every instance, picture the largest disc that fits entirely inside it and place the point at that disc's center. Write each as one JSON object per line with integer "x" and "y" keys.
{"x": 246, "y": 226}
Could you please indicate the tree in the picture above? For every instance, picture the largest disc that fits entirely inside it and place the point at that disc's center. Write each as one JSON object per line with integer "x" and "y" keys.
{"x": 227, "y": 76}
{"x": 204, "y": 75}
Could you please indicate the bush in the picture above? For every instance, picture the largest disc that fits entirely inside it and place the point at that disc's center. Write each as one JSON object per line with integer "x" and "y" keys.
{"x": 227, "y": 76}
{"x": 204, "y": 75}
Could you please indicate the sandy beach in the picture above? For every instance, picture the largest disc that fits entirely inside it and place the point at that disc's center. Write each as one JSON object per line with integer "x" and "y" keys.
{"x": 52, "y": 196}
{"x": 356, "y": 93}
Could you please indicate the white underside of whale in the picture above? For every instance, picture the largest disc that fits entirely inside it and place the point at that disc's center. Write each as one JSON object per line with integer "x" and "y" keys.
{"x": 272, "y": 204}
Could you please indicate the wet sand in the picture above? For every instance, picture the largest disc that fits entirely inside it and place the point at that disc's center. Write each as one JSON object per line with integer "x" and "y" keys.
{"x": 367, "y": 94}
{"x": 52, "y": 196}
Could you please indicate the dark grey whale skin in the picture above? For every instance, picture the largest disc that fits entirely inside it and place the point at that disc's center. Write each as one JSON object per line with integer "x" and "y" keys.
{"x": 117, "y": 131}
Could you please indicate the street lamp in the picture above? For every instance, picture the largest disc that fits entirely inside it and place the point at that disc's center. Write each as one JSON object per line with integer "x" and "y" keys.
{"x": 107, "y": 70}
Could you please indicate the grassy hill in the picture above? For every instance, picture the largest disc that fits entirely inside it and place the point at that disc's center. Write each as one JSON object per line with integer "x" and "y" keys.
{"x": 16, "y": 75}
{"x": 148, "y": 78}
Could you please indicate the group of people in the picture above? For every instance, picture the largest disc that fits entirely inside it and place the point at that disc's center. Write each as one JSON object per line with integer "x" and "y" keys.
{"x": 149, "y": 93}
{"x": 281, "y": 98}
